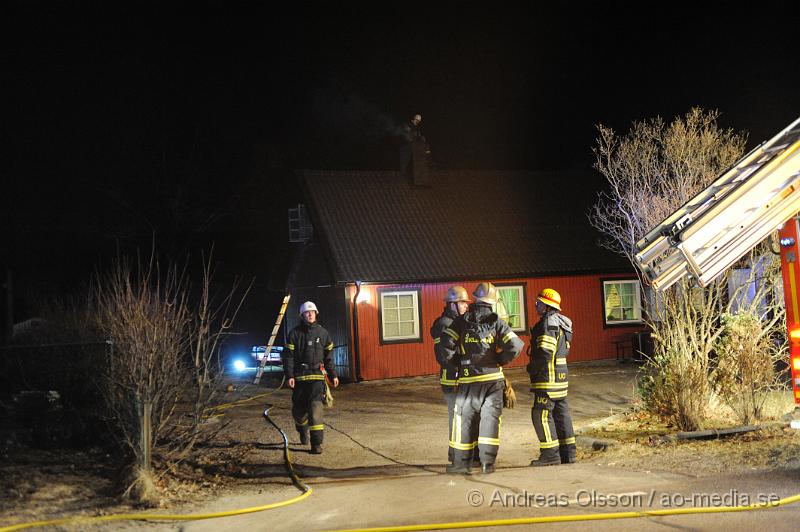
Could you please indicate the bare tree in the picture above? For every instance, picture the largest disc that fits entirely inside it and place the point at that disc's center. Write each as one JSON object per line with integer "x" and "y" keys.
{"x": 655, "y": 169}
{"x": 651, "y": 172}
{"x": 165, "y": 365}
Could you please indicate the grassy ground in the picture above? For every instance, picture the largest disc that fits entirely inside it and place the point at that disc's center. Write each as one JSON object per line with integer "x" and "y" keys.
{"x": 641, "y": 445}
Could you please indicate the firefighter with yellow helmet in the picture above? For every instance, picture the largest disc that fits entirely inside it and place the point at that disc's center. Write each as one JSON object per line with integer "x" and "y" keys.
{"x": 308, "y": 346}
{"x": 479, "y": 344}
{"x": 550, "y": 339}
{"x": 456, "y": 304}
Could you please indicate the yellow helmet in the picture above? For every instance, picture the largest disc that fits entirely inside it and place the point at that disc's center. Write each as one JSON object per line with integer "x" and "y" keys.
{"x": 550, "y": 297}
{"x": 456, "y": 293}
{"x": 486, "y": 293}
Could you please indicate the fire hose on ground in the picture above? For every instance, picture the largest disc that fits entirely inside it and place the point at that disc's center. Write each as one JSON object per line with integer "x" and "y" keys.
{"x": 307, "y": 491}
{"x": 574, "y": 518}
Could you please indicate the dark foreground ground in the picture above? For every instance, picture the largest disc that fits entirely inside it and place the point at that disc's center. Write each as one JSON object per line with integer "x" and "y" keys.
{"x": 383, "y": 464}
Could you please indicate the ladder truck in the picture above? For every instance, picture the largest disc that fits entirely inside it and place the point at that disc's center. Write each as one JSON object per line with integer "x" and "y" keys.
{"x": 713, "y": 230}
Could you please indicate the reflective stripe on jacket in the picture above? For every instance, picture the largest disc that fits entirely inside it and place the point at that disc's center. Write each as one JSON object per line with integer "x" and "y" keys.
{"x": 551, "y": 338}
{"x": 480, "y": 343}
{"x": 308, "y": 347}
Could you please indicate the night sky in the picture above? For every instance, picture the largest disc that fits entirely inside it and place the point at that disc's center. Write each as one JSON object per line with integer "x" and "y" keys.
{"x": 124, "y": 124}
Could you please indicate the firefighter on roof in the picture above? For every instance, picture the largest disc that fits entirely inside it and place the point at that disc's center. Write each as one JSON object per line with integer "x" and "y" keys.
{"x": 456, "y": 304}
{"x": 479, "y": 343}
{"x": 307, "y": 347}
{"x": 551, "y": 338}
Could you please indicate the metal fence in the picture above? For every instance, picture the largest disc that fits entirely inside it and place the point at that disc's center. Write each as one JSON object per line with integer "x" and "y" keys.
{"x": 72, "y": 369}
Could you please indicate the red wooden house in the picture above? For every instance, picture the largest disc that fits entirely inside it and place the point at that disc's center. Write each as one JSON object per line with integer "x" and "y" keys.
{"x": 386, "y": 247}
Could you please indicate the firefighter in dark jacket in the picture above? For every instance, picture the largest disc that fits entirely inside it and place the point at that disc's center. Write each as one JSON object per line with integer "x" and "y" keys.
{"x": 413, "y": 141}
{"x": 478, "y": 343}
{"x": 551, "y": 338}
{"x": 456, "y": 303}
{"x": 307, "y": 348}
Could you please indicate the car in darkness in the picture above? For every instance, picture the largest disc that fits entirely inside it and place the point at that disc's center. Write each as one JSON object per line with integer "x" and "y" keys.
{"x": 243, "y": 364}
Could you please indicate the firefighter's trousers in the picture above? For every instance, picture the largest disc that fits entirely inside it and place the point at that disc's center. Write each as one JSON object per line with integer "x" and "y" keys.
{"x": 307, "y": 408}
{"x": 450, "y": 399}
{"x": 553, "y": 425}
{"x": 476, "y": 422}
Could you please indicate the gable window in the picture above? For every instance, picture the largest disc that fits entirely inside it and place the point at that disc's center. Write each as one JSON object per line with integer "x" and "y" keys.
{"x": 510, "y": 306}
{"x": 622, "y": 302}
{"x": 399, "y": 312}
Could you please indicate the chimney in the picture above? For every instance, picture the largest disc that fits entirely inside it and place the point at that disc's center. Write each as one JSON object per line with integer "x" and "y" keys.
{"x": 420, "y": 173}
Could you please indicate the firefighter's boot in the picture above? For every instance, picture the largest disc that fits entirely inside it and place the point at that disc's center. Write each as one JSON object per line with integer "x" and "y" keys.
{"x": 567, "y": 453}
{"x": 458, "y": 469}
{"x": 547, "y": 457}
{"x": 476, "y": 458}
{"x": 303, "y": 437}
{"x": 316, "y": 449}
{"x": 487, "y": 469}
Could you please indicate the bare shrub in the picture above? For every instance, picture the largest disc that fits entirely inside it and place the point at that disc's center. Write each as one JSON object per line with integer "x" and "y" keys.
{"x": 147, "y": 318}
{"x": 684, "y": 336}
{"x": 165, "y": 366}
{"x": 141, "y": 487}
{"x": 745, "y": 367}
{"x": 213, "y": 317}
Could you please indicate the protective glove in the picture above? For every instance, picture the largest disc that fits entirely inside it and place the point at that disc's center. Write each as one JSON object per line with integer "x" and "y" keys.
{"x": 509, "y": 397}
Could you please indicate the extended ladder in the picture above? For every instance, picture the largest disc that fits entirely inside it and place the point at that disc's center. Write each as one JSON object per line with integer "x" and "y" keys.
{"x": 272, "y": 337}
{"x": 727, "y": 219}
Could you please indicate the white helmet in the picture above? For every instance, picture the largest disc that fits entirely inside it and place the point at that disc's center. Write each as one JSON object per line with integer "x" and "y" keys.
{"x": 308, "y": 305}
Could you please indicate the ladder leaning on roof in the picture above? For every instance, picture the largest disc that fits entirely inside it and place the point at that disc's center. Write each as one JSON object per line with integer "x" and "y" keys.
{"x": 727, "y": 219}
{"x": 272, "y": 337}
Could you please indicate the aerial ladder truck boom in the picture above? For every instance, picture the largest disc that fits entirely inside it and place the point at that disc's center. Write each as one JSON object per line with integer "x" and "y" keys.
{"x": 727, "y": 219}
{"x": 713, "y": 230}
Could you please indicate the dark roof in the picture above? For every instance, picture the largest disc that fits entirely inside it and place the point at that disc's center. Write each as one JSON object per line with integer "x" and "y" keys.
{"x": 379, "y": 227}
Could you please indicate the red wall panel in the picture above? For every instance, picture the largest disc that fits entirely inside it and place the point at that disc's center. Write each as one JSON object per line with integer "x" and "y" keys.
{"x": 581, "y": 301}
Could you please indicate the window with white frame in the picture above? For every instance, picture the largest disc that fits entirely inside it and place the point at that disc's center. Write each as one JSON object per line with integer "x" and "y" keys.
{"x": 511, "y": 306}
{"x": 622, "y": 302}
{"x": 400, "y": 315}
